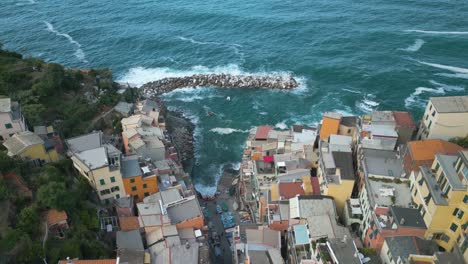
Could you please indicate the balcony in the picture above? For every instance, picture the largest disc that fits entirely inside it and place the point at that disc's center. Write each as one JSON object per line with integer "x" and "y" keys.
{"x": 353, "y": 213}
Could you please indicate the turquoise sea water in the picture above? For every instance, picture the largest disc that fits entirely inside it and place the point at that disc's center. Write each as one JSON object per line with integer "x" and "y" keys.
{"x": 351, "y": 56}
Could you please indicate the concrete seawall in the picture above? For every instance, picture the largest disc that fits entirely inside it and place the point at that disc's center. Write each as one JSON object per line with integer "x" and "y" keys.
{"x": 159, "y": 87}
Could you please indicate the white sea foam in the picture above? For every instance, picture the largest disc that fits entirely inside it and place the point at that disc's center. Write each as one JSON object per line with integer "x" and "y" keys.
{"x": 446, "y": 67}
{"x": 346, "y": 112}
{"x": 415, "y": 46}
{"x": 438, "y": 32}
{"x": 189, "y": 94}
{"x": 79, "y": 54}
{"x": 454, "y": 75}
{"x": 367, "y": 104}
{"x": 227, "y": 130}
{"x": 414, "y": 101}
{"x": 446, "y": 87}
{"x": 235, "y": 47}
{"x": 440, "y": 88}
{"x": 191, "y": 40}
{"x": 141, "y": 75}
{"x": 351, "y": 91}
{"x": 282, "y": 125}
{"x": 215, "y": 170}
{"x": 263, "y": 113}
{"x": 206, "y": 190}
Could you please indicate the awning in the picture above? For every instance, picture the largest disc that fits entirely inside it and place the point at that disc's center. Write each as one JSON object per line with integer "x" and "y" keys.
{"x": 268, "y": 159}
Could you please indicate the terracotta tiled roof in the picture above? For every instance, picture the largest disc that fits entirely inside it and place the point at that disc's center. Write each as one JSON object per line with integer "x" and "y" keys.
{"x": 329, "y": 127}
{"x": 404, "y": 119}
{"x": 96, "y": 261}
{"x": 55, "y": 216}
{"x": 262, "y": 132}
{"x": 427, "y": 149}
{"x": 129, "y": 223}
{"x": 289, "y": 190}
{"x": 315, "y": 185}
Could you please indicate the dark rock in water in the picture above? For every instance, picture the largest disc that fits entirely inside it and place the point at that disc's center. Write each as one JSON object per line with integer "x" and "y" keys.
{"x": 156, "y": 88}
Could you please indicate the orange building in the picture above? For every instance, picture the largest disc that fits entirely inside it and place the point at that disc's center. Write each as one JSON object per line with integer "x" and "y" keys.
{"x": 139, "y": 182}
{"x": 330, "y": 125}
{"x": 422, "y": 152}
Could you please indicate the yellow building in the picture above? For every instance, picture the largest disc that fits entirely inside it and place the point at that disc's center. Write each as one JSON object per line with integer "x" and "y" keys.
{"x": 336, "y": 176}
{"x": 99, "y": 163}
{"x": 29, "y": 146}
{"x": 440, "y": 193}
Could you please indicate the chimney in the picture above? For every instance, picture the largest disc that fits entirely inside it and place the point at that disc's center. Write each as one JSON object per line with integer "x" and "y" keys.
{"x": 344, "y": 239}
{"x": 402, "y": 221}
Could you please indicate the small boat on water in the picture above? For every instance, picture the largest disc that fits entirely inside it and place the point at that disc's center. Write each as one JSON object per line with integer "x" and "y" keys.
{"x": 211, "y": 113}
{"x": 228, "y": 98}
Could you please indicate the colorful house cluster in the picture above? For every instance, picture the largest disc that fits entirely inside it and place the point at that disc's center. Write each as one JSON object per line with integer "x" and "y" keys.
{"x": 379, "y": 181}
{"x": 158, "y": 218}
{"x": 147, "y": 164}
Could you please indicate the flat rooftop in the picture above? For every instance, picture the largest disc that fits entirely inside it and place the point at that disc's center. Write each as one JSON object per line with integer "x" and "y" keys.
{"x": 184, "y": 211}
{"x": 382, "y": 163}
{"x": 450, "y": 104}
{"x": 408, "y": 217}
{"x": 321, "y": 216}
{"x": 85, "y": 142}
{"x": 344, "y": 250}
{"x": 380, "y": 193}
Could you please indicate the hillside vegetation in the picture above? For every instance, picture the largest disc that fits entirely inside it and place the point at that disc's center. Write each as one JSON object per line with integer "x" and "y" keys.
{"x": 49, "y": 93}
{"x": 70, "y": 100}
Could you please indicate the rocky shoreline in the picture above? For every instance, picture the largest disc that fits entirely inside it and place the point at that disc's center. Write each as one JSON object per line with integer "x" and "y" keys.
{"x": 159, "y": 87}
{"x": 181, "y": 132}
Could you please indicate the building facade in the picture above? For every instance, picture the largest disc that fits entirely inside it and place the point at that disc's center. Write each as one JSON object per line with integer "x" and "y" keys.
{"x": 445, "y": 118}
{"x": 441, "y": 196}
{"x": 99, "y": 163}
{"x": 30, "y": 147}
{"x": 11, "y": 118}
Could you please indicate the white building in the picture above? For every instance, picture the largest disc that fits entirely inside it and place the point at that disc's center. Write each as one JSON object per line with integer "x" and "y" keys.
{"x": 445, "y": 118}
{"x": 11, "y": 118}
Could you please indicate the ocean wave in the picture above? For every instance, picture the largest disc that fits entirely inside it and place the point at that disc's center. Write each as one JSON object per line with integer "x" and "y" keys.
{"x": 141, "y": 75}
{"x": 367, "y": 104}
{"x": 440, "y": 88}
{"x": 191, "y": 40}
{"x": 438, "y": 32}
{"x": 79, "y": 54}
{"x": 351, "y": 91}
{"x": 446, "y": 67}
{"x": 416, "y": 46}
{"x": 216, "y": 170}
{"x": 235, "y": 47}
{"x": 282, "y": 125}
{"x": 190, "y": 95}
{"x": 414, "y": 101}
{"x": 227, "y": 130}
{"x": 454, "y": 75}
{"x": 346, "y": 112}
{"x": 447, "y": 87}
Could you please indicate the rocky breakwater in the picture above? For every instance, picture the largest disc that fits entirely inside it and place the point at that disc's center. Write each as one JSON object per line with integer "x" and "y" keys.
{"x": 159, "y": 87}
